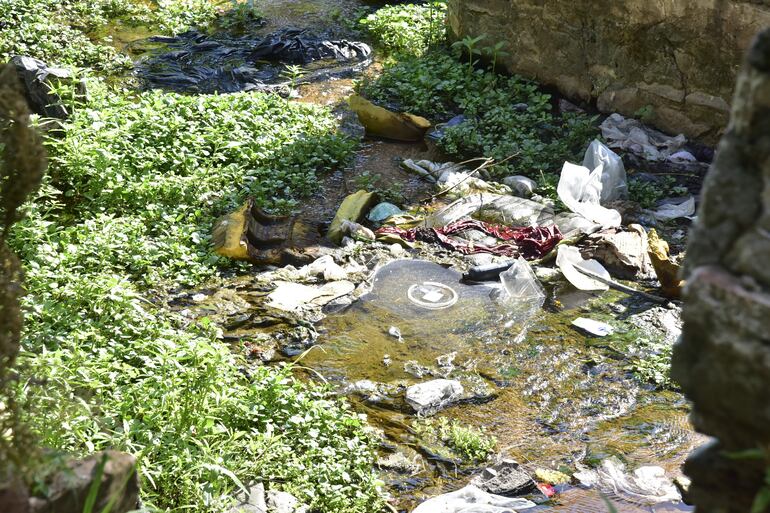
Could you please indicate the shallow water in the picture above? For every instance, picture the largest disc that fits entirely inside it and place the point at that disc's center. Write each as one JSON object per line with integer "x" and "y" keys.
{"x": 559, "y": 397}
{"x": 552, "y": 396}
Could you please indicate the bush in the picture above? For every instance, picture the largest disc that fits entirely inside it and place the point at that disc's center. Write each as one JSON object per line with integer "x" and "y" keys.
{"x": 497, "y": 124}
{"x": 408, "y": 29}
{"x": 136, "y": 183}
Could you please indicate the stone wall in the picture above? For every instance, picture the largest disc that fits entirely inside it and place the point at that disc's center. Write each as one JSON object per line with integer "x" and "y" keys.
{"x": 723, "y": 358}
{"x": 680, "y": 57}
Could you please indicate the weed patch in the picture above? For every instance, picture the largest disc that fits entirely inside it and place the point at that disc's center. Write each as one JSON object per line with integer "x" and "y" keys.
{"x": 504, "y": 115}
{"x": 452, "y": 440}
{"x": 407, "y": 29}
{"x": 136, "y": 182}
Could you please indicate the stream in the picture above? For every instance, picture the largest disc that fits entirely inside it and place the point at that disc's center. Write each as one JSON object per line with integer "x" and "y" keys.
{"x": 552, "y": 396}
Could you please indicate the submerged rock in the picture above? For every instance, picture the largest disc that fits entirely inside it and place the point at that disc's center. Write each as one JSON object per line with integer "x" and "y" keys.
{"x": 506, "y": 478}
{"x": 432, "y": 396}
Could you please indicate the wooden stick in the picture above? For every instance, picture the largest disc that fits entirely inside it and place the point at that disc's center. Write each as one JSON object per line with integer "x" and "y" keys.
{"x": 622, "y": 288}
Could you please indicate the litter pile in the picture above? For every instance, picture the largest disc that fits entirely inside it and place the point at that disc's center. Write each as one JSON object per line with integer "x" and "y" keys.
{"x": 501, "y": 238}
{"x": 196, "y": 62}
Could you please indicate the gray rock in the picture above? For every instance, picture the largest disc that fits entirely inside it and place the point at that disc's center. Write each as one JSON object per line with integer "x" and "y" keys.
{"x": 521, "y": 185}
{"x": 253, "y": 501}
{"x": 432, "y": 396}
{"x": 722, "y": 361}
{"x": 283, "y": 502}
{"x": 504, "y": 478}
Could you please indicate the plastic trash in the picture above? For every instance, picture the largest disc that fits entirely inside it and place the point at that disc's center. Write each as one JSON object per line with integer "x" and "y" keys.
{"x": 595, "y": 328}
{"x": 521, "y": 284}
{"x": 614, "y": 181}
{"x": 197, "y": 62}
{"x": 454, "y": 178}
{"x": 440, "y": 131}
{"x": 631, "y": 135}
{"x": 674, "y": 209}
{"x": 646, "y": 484}
{"x": 382, "y": 212}
{"x": 568, "y": 258}
{"x": 581, "y": 190}
{"x": 381, "y": 122}
{"x": 353, "y": 208}
{"x": 513, "y": 211}
{"x": 472, "y": 499}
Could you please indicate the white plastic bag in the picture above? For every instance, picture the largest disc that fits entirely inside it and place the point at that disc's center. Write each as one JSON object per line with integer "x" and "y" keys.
{"x": 473, "y": 500}
{"x": 581, "y": 190}
{"x": 614, "y": 181}
{"x": 568, "y": 258}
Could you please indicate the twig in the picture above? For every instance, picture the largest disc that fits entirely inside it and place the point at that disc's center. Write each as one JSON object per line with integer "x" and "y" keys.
{"x": 622, "y": 288}
{"x": 487, "y": 162}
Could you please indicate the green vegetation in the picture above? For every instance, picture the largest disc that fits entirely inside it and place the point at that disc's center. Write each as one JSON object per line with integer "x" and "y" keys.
{"x": 63, "y": 32}
{"x": 648, "y": 356}
{"x": 135, "y": 185}
{"x": 452, "y": 440}
{"x": 505, "y": 115}
{"x": 648, "y": 193}
{"x": 408, "y": 29}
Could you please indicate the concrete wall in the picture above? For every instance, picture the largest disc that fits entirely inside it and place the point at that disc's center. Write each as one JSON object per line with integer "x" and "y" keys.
{"x": 680, "y": 57}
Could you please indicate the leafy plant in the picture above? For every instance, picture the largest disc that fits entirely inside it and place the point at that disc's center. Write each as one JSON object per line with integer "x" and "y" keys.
{"x": 135, "y": 185}
{"x": 407, "y": 29}
{"x": 468, "y": 45}
{"x": 468, "y": 444}
{"x": 293, "y": 72}
{"x": 494, "y": 52}
{"x": 648, "y": 193}
{"x": 394, "y": 193}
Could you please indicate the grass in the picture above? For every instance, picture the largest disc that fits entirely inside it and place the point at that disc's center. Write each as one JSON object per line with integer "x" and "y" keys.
{"x": 125, "y": 213}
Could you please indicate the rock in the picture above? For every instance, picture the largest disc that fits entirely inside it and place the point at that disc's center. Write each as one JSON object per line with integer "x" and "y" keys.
{"x": 722, "y": 361}
{"x": 472, "y": 499}
{"x": 14, "y": 496}
{"x": 283, "y": 502}
{"x": 370, "y": 391}
{"x": 521, "y": 186}
{"x": 68, "y": 490}
{"x": 432, "y": 396}
{"x": 325, "y": 267}
{"x": 505, "y": 478}
{"x": 251, "y": 502}
{"x": 390, "y": 125}
{"x": 658, "y": 321}
{"x": 291, "y": 297}
{"x": 622, "y": 252}
{"x": 37, "y": 78}
{"x": 627, "y": 55}
{"x": 401, "y": 463}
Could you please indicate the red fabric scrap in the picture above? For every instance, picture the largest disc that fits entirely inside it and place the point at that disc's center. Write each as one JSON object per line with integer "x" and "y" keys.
{"x": 529, "y": 242}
